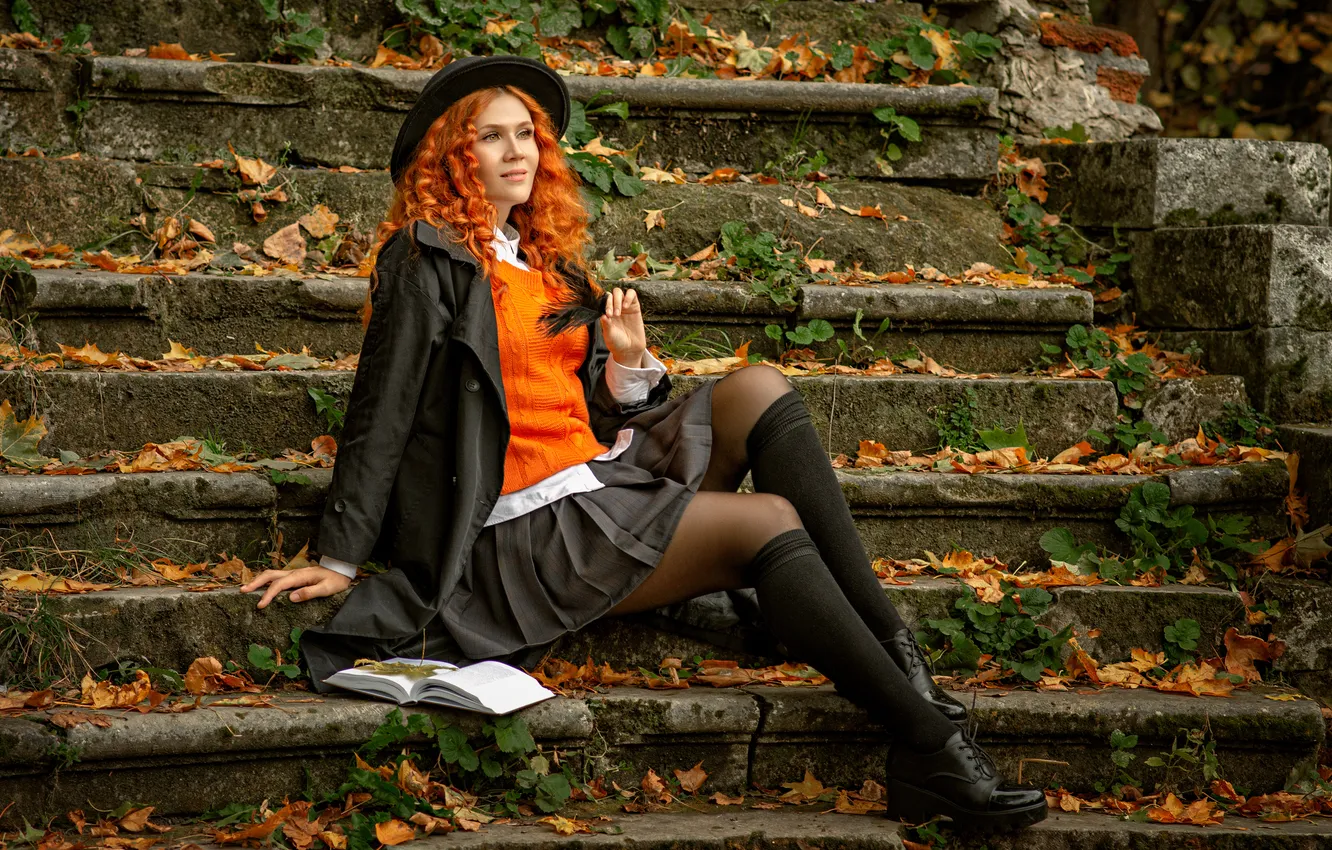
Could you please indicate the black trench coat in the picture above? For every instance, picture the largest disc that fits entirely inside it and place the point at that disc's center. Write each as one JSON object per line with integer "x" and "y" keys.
{"x": 420, "y": 461}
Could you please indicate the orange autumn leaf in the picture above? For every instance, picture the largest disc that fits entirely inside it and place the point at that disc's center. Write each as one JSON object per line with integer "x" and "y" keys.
{"x": 1243, "y": 651}
{"x": 692, "y": 779}
{"x": 393, "y": 832}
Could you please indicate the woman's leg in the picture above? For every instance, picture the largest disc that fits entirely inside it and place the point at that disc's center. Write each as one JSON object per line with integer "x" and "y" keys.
{"x": 938, "y": 769}
{"x": 731, "y": 540}
{"x": 760, "y": 423}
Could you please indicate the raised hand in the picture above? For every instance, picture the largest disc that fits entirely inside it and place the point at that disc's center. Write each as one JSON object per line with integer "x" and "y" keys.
{"x": 622, "y": 327}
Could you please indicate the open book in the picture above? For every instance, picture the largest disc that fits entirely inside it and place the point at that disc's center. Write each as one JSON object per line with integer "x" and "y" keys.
{"x": 487, "y": 686}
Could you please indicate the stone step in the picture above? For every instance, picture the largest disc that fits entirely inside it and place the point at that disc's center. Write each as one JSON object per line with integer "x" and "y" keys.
{"x": 718, "y": 829}
{"x": 169, "y": 627}
{"x": 195, "y": 515}
{"x": 1149, "y": 183}
{"x": 355, "y": 27}
{"x": 182, "y": 111}
{"x": 86, "y": 411}
{"x": 1257, "y": 298}
{"x": 974, "y": 328}
{"x": 187, "y": 763}
{"x": 89, "y": 202}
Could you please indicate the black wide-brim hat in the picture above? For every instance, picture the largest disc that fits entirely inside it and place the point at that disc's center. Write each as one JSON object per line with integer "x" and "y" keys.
{"x": 464, "y": 76}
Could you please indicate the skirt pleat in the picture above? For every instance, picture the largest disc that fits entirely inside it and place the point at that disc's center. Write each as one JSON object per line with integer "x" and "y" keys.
{"x": 554, "y": 570}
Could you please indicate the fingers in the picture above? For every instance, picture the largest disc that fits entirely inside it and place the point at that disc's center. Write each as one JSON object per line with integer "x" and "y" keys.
{"x": 621, "y": 300}
{"x": 277, "y": 581}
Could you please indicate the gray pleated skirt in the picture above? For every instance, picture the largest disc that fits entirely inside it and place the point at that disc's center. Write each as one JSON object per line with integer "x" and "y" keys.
{"x": 533, "y": 578}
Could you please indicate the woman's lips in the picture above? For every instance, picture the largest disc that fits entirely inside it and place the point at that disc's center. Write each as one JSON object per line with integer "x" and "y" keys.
{"x": 516, "y": 176}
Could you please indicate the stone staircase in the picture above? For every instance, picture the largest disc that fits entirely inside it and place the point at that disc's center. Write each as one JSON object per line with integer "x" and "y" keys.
{"x": 1230, "y": 248}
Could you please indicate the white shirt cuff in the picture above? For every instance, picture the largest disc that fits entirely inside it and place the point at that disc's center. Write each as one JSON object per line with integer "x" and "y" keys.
{"x": 632, "y": 384}
{"x": 341, "y": 567}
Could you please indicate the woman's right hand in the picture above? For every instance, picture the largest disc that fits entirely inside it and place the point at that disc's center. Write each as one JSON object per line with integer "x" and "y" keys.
{"x": 305, "y": 583}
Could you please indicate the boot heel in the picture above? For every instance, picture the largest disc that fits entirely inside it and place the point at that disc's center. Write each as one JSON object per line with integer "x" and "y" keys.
{"x": 913, "y": 805}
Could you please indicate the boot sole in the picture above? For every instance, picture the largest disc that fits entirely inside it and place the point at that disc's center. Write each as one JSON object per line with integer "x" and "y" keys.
{"x": 911, "y": 804}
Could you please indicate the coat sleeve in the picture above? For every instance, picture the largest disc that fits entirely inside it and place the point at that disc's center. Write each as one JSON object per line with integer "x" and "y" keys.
{"x": 405, "y": 325}
{"x": 606, "y": 415}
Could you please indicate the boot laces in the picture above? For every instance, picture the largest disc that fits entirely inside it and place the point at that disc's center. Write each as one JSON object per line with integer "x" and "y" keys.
{"x": 978, "y": 757}
{"x": 915, "y": 657}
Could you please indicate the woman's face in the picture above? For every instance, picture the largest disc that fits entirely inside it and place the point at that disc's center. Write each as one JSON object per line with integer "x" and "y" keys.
{"x": 506, "y": 144}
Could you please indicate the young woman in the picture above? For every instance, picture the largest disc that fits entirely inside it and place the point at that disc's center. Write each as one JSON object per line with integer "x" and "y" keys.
{"x": 510, "y": 448}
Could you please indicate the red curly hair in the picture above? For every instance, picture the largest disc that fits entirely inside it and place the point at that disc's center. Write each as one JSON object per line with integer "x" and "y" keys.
{"x": 440, "y": 185}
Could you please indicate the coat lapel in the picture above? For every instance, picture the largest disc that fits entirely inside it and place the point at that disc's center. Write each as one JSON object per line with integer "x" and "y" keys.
{"x": 475, "y": 325}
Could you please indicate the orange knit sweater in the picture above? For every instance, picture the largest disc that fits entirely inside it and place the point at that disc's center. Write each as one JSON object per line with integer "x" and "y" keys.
{"x": 548, "y": 420}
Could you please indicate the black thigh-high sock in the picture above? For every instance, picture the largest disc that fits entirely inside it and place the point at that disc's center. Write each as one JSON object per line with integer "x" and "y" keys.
{"x": 787, "y": 459}
{"x": 808, "y": 612}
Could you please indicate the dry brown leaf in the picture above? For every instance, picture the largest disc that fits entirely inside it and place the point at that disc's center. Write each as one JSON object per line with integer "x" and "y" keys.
{"x": 286, "y": 245}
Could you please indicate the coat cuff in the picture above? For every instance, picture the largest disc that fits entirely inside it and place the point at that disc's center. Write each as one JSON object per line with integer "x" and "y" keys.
{"x": 628, "y": 384}
{"x": 338, "y": 566}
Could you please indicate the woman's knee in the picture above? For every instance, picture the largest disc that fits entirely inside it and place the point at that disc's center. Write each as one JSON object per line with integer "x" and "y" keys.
{"x": 759, "y": 380}
{"x": 773, "y": 515}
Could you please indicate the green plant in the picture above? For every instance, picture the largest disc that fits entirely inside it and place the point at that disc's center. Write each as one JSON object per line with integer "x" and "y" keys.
{"x": 897, "y": 132}
{"x": 73, "y": 41}
{"x": 1007, "y": 631}
{"x": 1048, "y": 244}
{"x": 1094, "y": 349}
{"x": 795, "y": 164}
{"x": 64, "y": 754}
{"x": 1076, "y": 134}
{"x": 502, "y": 764}
{"x": 612, "y": 174}
{"x": 296, "y": 36}
{"x": 914, "y": 44}
{"x": 1000, "y": 438}
{"x": 956, "y": 423}
{"x": 866, "y": 353}
{"x": 282, "y": 476}
{"x": 1121, "y": 756}
{"x": 817, "y": 330}
{"x": 771, "y": 272}
{"x": 1195, "y": 759}
{"x": 1128, "y": 434}
{"x": 1171, "y": 541}
{"x": 24, "y": 19}
{"x": 263, "y": 658}
{"x": 36, "y": 647}
{"x": 1241, "y": 425}
{"x": 332, "y": 408}
{"x": 1181, "y": 638}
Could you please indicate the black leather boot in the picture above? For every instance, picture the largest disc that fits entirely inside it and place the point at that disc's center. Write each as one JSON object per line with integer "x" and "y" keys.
{"x": 959, "y": 781}
{"x": 906, "y": 652}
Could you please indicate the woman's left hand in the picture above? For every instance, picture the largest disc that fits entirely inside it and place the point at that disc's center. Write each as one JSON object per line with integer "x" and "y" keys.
{"x": 622, "y": 326}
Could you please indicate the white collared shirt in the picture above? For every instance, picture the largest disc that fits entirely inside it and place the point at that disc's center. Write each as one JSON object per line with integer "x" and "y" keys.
{"x": 627, "y": 385}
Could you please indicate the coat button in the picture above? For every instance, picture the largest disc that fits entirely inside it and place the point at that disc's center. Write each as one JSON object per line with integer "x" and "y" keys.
{"x": 340, "y": 505}
{"x": 472, "y": 385}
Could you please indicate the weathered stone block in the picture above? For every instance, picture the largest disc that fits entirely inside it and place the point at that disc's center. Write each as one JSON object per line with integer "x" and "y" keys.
{"x": 1146, "y": 183}
{"x": 1179, "y": 406}
{"x": 1287, "y": 371}
{"x": 1234, "y": 277}
{"x": 36, "y": 86}
{"x": 1314, "y": 443}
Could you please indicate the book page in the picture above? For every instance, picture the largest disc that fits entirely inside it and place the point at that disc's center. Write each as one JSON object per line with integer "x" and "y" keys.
{"x": 393, "y": 685}
{"x": 496, "y": 686}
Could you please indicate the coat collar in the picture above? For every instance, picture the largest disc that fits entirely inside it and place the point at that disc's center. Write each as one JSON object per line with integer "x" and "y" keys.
{"x": 448, "y": 239}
